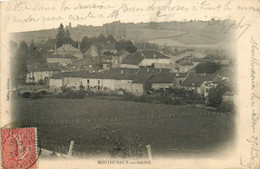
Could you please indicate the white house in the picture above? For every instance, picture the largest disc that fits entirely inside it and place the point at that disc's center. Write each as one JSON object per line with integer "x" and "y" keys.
{"x": 144, "y": 58}
{"x": 197, "y": 82}
{"x": 40, "y": 73}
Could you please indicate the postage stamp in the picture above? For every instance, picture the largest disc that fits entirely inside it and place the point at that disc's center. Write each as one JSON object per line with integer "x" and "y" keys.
{"x": 18, "y": 148}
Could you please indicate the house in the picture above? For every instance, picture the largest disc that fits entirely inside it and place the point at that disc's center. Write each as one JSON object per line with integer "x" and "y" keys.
{"x": 66, "y": 79}
{"x": 62, "y": 60}
{"x": 80, "y": 65}
{"x": 228, "y": 97}
{"x": 197, "y": 82}
{"x": 218, "y": 59}
{"x": 91, "y": 52}
{"x": 185, "y": 66}
{"x": 68, "y": 49}
{"x": 50, "y": 45}
{"x": 106, "y": 65}
{"x": 118, "y": 58}
{"x": 189, "y": 52}
{"x": 179, "y": 78}
{"x": 196, "y": 61}
{"x": 128, "y": 80}
{"x": 55, "y": 84}
{"x": 40, "y": 73}
{"x": 162, "y": 80}
{"x": 144, "y": 58}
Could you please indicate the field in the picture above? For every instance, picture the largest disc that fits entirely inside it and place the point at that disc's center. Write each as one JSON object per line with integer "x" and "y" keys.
{"x": 167, "y": 128}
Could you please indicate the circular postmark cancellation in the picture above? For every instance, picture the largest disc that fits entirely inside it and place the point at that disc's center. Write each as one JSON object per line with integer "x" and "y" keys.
{"x": 18, "y": 148}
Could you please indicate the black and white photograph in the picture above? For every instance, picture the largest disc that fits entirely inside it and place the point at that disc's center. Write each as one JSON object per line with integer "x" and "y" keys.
{"x": 129, "y": 92}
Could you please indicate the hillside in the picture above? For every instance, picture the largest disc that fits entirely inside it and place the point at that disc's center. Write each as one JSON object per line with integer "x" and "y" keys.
{"x": 190, "y": 34}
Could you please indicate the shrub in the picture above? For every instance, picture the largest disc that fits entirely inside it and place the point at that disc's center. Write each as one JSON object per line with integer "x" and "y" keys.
{"x": 81, "y": 87}
{"x": 144, "y": 99}
{"x": 65, "y": 89}
{"x": 226, "y": 107}
{"x": 215, "y": 96}
{"x": 129, "y": 97}
{"x": 176, "y": 102}
{"x": 72, "y": 94}
{"x": 35, "y": 96}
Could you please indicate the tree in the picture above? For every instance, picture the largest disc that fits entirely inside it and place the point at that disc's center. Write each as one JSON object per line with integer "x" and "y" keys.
{"x": 60, "y": 37}
{"x": 111, "y": 39}
{"x": 20, "y": 63}
{"x": 101, "y": 38}
{"x": 63, "y": 37}
{"x": 125, "y": 45}
{"x": 207, "y": 67}
{"x": 215, "y": 95}
{"x": 85, "y": 44}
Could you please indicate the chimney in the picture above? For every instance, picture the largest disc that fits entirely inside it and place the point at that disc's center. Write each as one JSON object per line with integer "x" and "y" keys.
{"x": 154, "y": 56}
{"x": 122, "y": 71}
{"x": 148, "y": 70}
{"x": 78, "y": 45}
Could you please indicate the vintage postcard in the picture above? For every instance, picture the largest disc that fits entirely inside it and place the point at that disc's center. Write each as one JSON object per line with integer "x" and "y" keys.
{"x": 130, "y": 84}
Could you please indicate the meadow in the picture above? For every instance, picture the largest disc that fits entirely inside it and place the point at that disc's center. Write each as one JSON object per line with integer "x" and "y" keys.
{"x": 169, "y": 129}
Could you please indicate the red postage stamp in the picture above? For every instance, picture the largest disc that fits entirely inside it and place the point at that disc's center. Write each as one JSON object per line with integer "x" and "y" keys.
{"x": 18, "y": 148}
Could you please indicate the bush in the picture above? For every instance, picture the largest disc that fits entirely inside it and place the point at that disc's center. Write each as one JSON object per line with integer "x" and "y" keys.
{"x": 65, "y": 89}
{"x": 72, "y": 94}
{"x": 144, "y": 99}
{"x": 81, "y": 87}
{"x": 215, "y": 96}
{"x": 176, "y": 102}
{"x": 226, "y": 107}
{"x": 129, "y": 97}
{"x": 35, "y": 96}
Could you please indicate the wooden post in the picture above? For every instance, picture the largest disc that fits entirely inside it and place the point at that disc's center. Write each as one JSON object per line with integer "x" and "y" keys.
{"x": 149, "y": 149}
{"x": 71, "y": 148}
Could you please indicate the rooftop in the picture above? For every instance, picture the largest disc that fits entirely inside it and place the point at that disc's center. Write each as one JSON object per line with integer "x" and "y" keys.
{"x": 163, "y": 77}
{"x": 137, "y": 75}
{"x": 44, "y": 67}
{"x": 196, "y": 79}
{"x": 137, "y": 57}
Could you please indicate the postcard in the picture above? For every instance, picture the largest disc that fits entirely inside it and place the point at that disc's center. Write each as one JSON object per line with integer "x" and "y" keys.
{"x": 130, "y": 84}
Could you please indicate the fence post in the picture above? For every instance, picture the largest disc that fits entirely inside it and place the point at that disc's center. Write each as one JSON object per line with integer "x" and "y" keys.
{"x": 149, "y": 149}
{"x": 71, "y": 148}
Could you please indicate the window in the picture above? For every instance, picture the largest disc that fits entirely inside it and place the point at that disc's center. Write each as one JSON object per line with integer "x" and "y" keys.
{"x": 98, "y": 87}
{"x": 88, "y": 81}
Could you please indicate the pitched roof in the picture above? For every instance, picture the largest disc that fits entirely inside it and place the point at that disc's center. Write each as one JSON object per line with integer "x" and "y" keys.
{"x": 186, "y": 63}
{"x": 44, "y": 67}
{"x": 163, "y": 77}
{"x": 133, "y": 59}
{"x": 67, "y": 56}
{"x": 196, "y": 79}
{"x": 153, "y": 54}
{"x": 50, "y": 43}
{"x": 68, "y": 49}
{"x": 136, "y": 75}
{"x": 137, "y": 57}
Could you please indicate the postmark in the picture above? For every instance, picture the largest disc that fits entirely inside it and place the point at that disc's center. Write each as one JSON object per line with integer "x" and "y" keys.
{"x": 18, "y": 148}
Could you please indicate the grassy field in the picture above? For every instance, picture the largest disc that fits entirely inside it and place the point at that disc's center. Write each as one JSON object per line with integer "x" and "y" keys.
{"x": 165, "y": 127}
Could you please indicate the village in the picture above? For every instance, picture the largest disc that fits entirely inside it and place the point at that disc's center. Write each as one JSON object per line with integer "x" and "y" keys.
{"x": 94, "y": 91}
{"x": 118, "y": 67}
